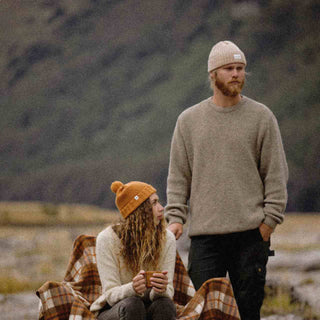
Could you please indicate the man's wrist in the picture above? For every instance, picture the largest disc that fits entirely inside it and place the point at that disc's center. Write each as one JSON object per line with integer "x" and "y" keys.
{"x": 270, "y": 222}
{"x": 172, "y": 220}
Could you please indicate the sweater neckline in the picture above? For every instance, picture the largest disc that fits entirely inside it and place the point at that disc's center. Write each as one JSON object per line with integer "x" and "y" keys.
{"x": 226, "y": 109}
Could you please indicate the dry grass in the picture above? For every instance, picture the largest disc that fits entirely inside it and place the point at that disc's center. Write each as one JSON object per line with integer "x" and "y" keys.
{"x": 32, "y": 255}
{"x": 299, "y": 232}
{"x": 39, "y": 213}
{"x": 36, "y": 240}
{"x": 297, "y": 222}
{"x": 280, "y": 301}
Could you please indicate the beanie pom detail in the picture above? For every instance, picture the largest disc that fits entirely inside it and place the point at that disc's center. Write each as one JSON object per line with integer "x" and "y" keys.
{"x": 115, "y": 186}
{"x": 131, "y": 195}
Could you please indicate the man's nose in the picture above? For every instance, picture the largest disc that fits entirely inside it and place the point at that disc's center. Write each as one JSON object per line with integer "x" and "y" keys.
{"x": 235, "y": 73}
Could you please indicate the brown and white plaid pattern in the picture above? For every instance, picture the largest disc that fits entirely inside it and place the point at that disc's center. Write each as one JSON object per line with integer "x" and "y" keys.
{"x": 71, "y": 299}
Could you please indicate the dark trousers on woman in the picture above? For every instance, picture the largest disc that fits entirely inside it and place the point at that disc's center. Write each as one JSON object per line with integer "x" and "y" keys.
{"x": 134, "y": 308}
{"x": 244, "y": 255}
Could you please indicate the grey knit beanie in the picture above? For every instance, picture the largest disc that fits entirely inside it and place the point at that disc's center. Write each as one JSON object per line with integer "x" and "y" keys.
{"x": 225, "y": 52}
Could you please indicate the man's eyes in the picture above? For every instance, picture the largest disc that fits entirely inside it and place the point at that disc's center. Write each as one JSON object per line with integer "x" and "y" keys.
{"x": 231, "y": 68}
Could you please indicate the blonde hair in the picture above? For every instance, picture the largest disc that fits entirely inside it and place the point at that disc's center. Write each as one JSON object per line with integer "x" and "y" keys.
{"x": 141, "y": 240}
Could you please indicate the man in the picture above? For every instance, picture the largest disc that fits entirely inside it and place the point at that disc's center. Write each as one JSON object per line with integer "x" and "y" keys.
{"x": 228, "y": 164}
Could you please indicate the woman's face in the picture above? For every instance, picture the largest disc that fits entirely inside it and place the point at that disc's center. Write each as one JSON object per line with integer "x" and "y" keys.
{"x": 157, "y": 209}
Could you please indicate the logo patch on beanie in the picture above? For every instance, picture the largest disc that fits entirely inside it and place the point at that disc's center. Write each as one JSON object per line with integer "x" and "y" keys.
{"x": 237, "y": 56}
{"x": 136, "y": 197}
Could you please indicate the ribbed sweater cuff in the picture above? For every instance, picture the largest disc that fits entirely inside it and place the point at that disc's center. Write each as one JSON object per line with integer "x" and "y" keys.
{"x": 172, "y": 220}
{"x": 270, "y": 222}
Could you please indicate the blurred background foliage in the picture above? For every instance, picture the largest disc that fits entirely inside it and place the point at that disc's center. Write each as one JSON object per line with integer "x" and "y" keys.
{"x": 91, "y": 89}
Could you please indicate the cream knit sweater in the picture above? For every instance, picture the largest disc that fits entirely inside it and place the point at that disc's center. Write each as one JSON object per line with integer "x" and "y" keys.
{"x": 116, "y": 280}
{"x": 229, "y": 163}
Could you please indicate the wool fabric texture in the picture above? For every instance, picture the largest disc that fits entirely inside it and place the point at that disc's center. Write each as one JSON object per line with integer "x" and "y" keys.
{"x": 116, "y": 279}
{"x": 129, "y": 196}
{"x": 227, "y": 165}
{"x": 223, "y": 53}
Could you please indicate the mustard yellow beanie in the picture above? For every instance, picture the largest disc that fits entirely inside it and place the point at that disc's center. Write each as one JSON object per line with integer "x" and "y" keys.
{"x": 225, "y": 52}
{"x": 129, "y": 196}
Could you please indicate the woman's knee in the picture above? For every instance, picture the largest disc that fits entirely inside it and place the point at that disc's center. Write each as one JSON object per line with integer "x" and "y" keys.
{"x": 162, "y": 308}
{"x": 132, "y": 308}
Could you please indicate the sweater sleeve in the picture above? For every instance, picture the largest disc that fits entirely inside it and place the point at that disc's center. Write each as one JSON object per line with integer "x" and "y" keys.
{"x": 107, "y": 262}
{"x": 168, "y": 264}
{"x": 274, "y": 174}
{"x": 179, "y": 179}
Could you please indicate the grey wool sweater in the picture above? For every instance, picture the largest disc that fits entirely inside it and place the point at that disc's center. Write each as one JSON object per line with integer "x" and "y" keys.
{"x": 228, "y": 166}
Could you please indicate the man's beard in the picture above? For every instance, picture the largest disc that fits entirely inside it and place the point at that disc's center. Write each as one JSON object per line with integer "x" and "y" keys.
{"x": 229, "y": 90}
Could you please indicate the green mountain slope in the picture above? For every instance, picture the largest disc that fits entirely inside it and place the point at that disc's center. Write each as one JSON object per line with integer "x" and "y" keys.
{"x": 90, "y": 90}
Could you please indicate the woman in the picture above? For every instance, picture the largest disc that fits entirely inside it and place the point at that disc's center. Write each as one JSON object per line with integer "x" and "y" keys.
{"x": 125, "y": 251}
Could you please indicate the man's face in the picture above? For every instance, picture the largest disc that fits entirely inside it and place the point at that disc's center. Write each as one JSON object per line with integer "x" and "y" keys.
{"x": 229, "y": 79}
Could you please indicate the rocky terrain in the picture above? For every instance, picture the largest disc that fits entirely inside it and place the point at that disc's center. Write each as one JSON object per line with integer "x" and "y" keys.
{"x": 28, "y": 254}
{"x": 296, "y": 264}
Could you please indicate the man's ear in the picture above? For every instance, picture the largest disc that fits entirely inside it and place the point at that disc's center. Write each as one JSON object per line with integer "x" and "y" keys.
{"x": 212, "y": 75}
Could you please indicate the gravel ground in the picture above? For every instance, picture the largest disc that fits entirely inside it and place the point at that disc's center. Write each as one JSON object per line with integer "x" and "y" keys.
{"x": 24, "y": 306}
{"x": 293, "y": 267}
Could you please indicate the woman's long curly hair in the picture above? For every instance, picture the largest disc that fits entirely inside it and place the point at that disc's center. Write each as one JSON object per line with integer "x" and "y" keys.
{"x": 141, "y": 240}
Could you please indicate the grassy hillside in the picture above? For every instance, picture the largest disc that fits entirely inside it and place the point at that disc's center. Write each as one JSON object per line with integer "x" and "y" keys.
{"x": 90, "y": 90}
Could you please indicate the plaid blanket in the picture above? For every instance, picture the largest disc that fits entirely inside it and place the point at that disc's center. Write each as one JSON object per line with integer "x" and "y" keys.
{"x": 71, "y": 299}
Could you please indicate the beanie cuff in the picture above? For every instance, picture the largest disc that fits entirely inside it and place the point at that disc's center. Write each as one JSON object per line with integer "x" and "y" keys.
{"x": 137, "y": 200}
{"x": 224, "y": 53}
{"x": 215, "y": 68}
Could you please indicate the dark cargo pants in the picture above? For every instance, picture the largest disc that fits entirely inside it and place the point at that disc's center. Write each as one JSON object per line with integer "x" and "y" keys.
{"x": 244, "y": 255}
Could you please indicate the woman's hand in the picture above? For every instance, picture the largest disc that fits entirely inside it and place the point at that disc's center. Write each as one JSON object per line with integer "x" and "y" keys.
{"x": 159, "y": 281}
{"x": 139, "y": 283}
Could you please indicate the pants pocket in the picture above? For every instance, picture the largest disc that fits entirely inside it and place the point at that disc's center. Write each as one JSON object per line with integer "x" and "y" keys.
{"x": 267, "y": 244}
